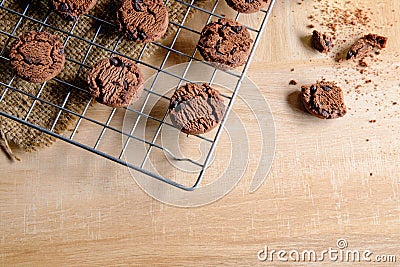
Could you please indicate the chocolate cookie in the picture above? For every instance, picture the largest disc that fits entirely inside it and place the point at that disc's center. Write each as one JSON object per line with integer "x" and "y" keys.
{"x": 226, "y": 42}
{"x": 72, "y": 9}
{"x": 324, "y": 100}
{"x": 321, "y": 42}
{"x": 37, "y": 56}
{"x": 366, "y": 45}
{"x": 196, "y": 108}
{"x": 143, "y": 21}
{"x": 247, "y": 6}
{"x": 115, "y": 81}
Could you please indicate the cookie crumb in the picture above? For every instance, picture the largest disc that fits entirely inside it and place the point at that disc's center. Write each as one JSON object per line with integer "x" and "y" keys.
{"x": 363, "y": 63}
{"x": 372, "y": 121}
{"x": 292, "y": 82}
{"x": 321, "y": 42}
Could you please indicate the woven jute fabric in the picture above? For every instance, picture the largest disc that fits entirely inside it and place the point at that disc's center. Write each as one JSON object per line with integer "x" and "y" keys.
{"x": 43, "y": 113}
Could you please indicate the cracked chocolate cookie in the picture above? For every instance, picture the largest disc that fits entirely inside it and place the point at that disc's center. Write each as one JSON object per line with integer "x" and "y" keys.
{"x": 225, "y": 42}
{"x": 324, "y": 100}
{"x": 115, "y": 82}
{"x": 72, "y": 9}
{"x": 366, "y": 45}
{"x": 247, "y": 6}
{"x": 196, "y": 108}
{"x": 321, "y": 42}
{"x": 142, "y": 21}
{"x": 37, "y": 56}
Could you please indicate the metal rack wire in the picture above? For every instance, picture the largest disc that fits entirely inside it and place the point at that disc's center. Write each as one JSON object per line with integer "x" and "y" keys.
{"x": 106, "y": 126}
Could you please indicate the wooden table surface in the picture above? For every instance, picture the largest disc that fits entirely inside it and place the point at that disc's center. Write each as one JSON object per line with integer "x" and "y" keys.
{"x": 329, "y": 180}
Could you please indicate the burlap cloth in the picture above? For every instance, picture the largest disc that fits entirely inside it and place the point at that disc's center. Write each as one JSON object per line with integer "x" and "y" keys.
{"x": 42, "y": 114}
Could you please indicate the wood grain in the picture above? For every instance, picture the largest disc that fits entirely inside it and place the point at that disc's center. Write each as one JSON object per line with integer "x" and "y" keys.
{"x": 62, "y": 206}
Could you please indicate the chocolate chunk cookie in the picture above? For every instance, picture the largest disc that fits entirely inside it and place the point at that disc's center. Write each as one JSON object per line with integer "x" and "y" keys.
{"x": 366, "y": 45}
{"x": 247, "y": 6}
{"x": 321, "y": 42}
{"x": 37, "y": 56}
{"x": 115, "y": 81}
{"x": 324, "y": 100}
{"x": 196, "y": 108}
{"x": 226, "y": 42}
{"x": 72, "y": 9}
{"x": 143, "y": 21}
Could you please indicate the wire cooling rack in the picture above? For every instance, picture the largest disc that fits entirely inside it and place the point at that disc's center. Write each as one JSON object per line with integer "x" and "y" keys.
{"x": 106, "y": 126}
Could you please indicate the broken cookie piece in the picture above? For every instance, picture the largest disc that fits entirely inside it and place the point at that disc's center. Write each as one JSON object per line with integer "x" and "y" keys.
{"x": 366, "y": 45}
{"x": 321, "y": 42}
{"x": 324, "y": 100}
